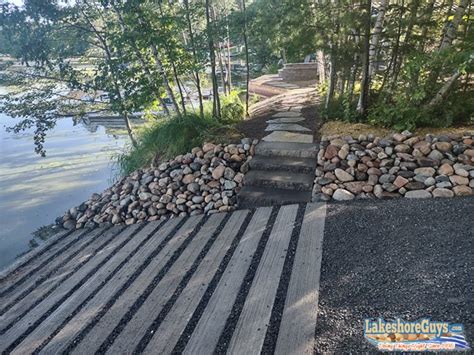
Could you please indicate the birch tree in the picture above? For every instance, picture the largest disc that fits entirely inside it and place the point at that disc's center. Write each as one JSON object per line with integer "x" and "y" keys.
{"x": 453, "y": 25}
{"x": 216, "y": 106}
{"x": 247, "y": 64}
{"x": 365, "y": 83}
{"x": 376, "y": 36}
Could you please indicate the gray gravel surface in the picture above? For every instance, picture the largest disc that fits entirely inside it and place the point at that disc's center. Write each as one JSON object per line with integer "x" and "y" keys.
{"x": 397, "y": 258}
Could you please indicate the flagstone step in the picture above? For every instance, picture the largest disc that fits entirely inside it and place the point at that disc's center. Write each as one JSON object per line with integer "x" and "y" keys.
{"x": 279, "y": 179}
{"x": 286, "y": 120}
{"x": 293, "y": 164}
{"x": 253, "y": 196}
{"x": 285, "y": 149}
{"x": 287, "y": 127}
{"x": 288, "y": 137}
{"x": 287, "y": 114}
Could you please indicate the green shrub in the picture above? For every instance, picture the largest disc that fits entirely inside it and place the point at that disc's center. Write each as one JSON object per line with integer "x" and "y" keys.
{"x": 166, "y": 139}
{"x": 232, "y": 108}
{"x": 272, "y": 68}
{"x": 400, "y": 113}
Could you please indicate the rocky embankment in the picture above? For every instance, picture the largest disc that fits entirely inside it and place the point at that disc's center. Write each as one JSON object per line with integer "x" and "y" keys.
{"x": 397, "y": 166}
{"x": 203, "y": 181}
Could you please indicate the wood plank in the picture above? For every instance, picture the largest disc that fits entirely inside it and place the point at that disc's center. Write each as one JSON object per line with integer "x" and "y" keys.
{"x": 109, "y": 321}
{"x": 162, "y": 292}
{"x": 298, "y": 322}
{"x": 75, "y": 325}
{"x": 36, "y": 313}
{"x": 19, "y": 308}
{"x": 93, "y": 283}
{"x": 182, "y": 311}
{"x": 206, "y": 334}
{"x": 49, "y": 269}
{"x": 28, "y": 264}
{"x": 249, "y": 333}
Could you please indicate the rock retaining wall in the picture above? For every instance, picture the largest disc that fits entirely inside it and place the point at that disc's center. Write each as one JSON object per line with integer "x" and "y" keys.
{"x": 203, "y": 181}
{"x": 396, "y": 166}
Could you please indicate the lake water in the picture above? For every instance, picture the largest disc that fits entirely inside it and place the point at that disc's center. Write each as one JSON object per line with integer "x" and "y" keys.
{"x": 35, "y": 190}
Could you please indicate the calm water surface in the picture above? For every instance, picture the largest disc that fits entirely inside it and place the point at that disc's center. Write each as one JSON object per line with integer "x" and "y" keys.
{"x": 35, "y": 190}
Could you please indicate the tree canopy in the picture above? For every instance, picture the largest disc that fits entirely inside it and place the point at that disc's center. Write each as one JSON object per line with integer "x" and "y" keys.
{"x": 397, "y": 63}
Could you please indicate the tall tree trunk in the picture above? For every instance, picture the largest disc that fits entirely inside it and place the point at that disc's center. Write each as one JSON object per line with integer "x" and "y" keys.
{"x": 426, "y": 17}
{"x": 332, "y": 76}
{"x": 161, "y": 70}
{"x": 427, "y": 13}
{"x": 447, "y": 40}
{"x": 118, "y": 92}
{"x": 376, "y": 36}
{"x": 406, "y": 41}
{"x": 353, "y": 78}
{"x": 178, "y": 84}
{"x": 218, "y": 49}
{"x": 342, "y": 83}
{"x": 229, "y": 61}
{"x": 283, "y": 56}
{"x": 216, "y": 105}
{"x": 170, "y": 55}
{"x": 365, "y": 84}
{"x": 221, "y": 68}
{"x": 128, "y": 125}
{"x": 195, "y": 59}
{"x": 321, "y": 60}
{"x": 149, "y": 76}
{"x": 393, "y": 59}
{"x": 453, "y": 25}
{"x": 247, "y": 94}
{"x": 159, "y": 65}
{"x": 468, "y": 20}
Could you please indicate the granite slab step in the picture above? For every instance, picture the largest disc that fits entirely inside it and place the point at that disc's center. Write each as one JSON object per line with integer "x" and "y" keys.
{"x": 279, "y": 179}
{"x": 252, "y": 196}
{"x": 286, "y": 127}
{"x": 293, "y": 164}
{"x": 288, "y": 137}
{"x": 285, "y": 149}
{"x": 287, "y": 114}
{"x": 286, "y": 120}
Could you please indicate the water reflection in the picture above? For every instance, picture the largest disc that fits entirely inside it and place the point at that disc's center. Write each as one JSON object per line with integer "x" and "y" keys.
{"x": 35, "y": 190}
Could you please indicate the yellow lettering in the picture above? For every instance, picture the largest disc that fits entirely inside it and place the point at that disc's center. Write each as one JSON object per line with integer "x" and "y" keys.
{"x": 425, "y": 326}
{"x": 367, "y": 326}
{"x": 445, "y": 327}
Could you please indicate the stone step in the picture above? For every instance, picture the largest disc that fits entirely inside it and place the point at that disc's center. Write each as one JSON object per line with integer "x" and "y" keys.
{"x": 286, "y": 127}
{"x": 279, "y": 179}
{"x": 293, "y": 164}
{"x": 288, "y": 137}
{"x": 286, "y": 114}
{"x": 297, "y": 150}
{"x": 286, "y": 120}
{"x": 251, "y": 196}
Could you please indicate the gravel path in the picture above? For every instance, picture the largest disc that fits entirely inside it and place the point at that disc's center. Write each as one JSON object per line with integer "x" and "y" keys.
{"x": 406, "y": 258}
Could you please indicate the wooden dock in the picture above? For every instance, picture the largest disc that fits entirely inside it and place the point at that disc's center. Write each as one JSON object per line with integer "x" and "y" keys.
{"x": 240, "y": 283}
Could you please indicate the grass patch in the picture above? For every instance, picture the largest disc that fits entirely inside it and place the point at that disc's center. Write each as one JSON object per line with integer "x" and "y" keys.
{"x": 167, "y": 138}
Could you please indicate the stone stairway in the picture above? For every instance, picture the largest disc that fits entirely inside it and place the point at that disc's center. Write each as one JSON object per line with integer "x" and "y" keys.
{"x": 282, "y": 170}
